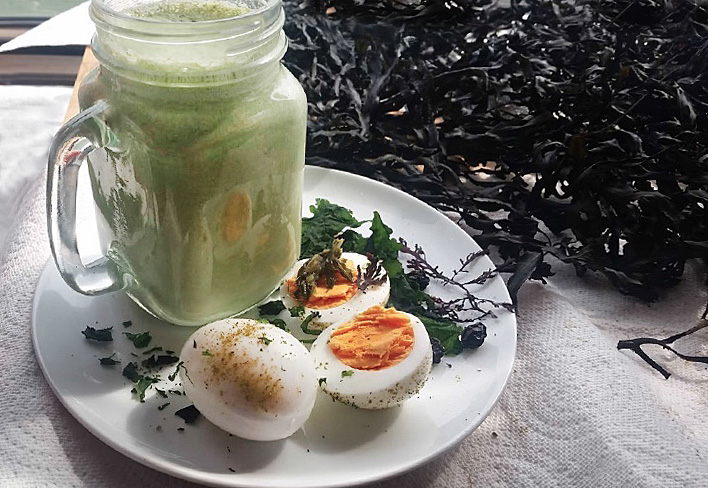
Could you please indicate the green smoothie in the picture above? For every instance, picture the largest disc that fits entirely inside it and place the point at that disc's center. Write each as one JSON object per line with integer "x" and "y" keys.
{"x": 199, "y": 184}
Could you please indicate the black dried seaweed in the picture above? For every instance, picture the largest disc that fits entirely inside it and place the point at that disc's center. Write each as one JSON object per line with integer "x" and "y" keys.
{"x": 635, "y": 345}
{"x": 373, "y": 275}
{"x": 584, "y": 118}
{"x": 569, "y": 129}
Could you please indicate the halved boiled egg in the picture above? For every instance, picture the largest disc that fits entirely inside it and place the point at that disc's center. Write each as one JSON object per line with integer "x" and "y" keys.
{"x": 377, "y": 360}
{"x": 251, "y": 379}
{"x": 340, "y": 302}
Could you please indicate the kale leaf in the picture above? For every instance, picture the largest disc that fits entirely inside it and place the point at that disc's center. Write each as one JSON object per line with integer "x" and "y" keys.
{"x": 326, "y": 222}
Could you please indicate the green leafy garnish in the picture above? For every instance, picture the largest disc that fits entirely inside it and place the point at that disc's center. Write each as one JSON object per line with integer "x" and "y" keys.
{"x": 206, "y": 352}
{"x": 127, "y": 323}
{"x": 131, "y": 372}
{"x": 306, "y": 322}
{"x": 161, "y": 393}
{"x": 142, "y": 383}
{"x": 327, "y": 221}
{"x": 154, "y": 349}
{"x": 321, "y": 381}
{"x": 347, "y": 373}
{"x": 265, "y": 340}
{"x": 99, "y": 335}
{"x": 140, "y": 340}
{"x": 446, "y": 331}
{"x": 163, "y": 406}
{"x": 271, "y": 308}
{"x": 297, "y": 311}
{"x": 109, "y": 361}
{"x": 279, "y": 323}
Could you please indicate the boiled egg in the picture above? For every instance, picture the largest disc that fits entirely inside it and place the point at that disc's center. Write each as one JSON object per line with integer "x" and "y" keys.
{"x": 339, "y": 303}
{"x": 377, "y": 360}
{"x": 251, "y": 379}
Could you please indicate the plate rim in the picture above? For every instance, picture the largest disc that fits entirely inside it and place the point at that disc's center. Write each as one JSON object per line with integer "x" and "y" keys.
{"x": 214, "y": 479}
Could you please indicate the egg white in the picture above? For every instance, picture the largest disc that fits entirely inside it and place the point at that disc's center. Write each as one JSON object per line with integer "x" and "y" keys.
{"x": 251, "y": 379}
{"x": 359, "y": 302}
{"x": 371, "y": 389}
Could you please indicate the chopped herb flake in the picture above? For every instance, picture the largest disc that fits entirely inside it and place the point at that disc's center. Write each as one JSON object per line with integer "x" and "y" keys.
{"x": 139, "y": 340}
{"x": 306, "y": 322}
{"x": 297, "y": 311}
{"x": 127, "y": 323}
{"x": 163, "y": 406}
{"x": 156, "y": 361}
{"x": 189, "y": 414}
{"x": 347, "y": 373}
{"x": 109, "y": 361}
{"x": 271, "y": 308}
{"x": 279, "y": 323}
{"x": 99, "y": 335}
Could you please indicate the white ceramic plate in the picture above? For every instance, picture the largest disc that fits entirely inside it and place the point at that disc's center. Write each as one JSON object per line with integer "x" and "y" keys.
{"x": 339, "y": 445}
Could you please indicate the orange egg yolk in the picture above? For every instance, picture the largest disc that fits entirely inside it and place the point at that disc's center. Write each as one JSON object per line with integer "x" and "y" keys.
{"x": 323, "y": 297}
{"x": 375, "y": 339}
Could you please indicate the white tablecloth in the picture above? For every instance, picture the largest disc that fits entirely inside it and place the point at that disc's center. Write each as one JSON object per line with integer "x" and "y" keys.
{"x": 576, "y": 411}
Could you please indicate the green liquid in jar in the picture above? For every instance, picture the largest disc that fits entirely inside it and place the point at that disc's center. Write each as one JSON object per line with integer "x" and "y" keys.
{"x": 199, "y": 186}
{"x": 188, "y": 11}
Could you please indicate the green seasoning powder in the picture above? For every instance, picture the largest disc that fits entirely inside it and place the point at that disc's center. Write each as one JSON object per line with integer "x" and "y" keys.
{"x": 188, "y": 11}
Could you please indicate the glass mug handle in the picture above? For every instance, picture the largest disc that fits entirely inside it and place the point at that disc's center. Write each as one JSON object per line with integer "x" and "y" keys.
{"x": 68, "y": 150}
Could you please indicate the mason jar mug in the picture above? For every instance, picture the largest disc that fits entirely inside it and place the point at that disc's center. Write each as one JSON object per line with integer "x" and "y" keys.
{"x": 194, "y": 137}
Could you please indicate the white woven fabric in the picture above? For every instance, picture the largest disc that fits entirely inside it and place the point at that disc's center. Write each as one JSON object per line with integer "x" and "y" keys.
{"x": 576, "y": 412}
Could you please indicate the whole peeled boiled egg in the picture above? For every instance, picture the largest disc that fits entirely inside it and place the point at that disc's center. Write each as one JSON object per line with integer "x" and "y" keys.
{"x": 251, "y": 379}
{"x": 377, "y": 360}
{"x": 340, "y": 302}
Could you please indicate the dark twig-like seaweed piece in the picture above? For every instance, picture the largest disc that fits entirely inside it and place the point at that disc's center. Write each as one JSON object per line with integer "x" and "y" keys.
{"x": 469, "y": 301}
{"x": 373, "y": 275}
{"x": 635, "y": 345}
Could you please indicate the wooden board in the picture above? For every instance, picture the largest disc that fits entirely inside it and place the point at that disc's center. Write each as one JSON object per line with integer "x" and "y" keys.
{"x": 88, "y": 62}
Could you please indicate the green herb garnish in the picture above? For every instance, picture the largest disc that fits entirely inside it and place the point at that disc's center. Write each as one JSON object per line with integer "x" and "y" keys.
{"x": 154, "y": 362}
{"x": 271, "y": 308}
{"x": 279, "y": 323}
{"x": 142, "y": 383}
{"x": 265, "y": 340}
{"x": 206, "y": 352}
{"x": 347, "y": 373}
{"x": 163, "y": 406}
{"x": 297, "y": 311}
{"x": 139, "y": 340}
{"x": 109, "y": 361}
{"x": 321, "y": 381}
{"x": 305, "y": 324}
{"x": 99, "y": 335}
{"x": 327, "y": 221}
{"x": 127, "y": 323}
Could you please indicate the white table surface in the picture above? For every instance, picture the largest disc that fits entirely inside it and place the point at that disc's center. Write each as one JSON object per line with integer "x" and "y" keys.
{"x": 576, "y": 412}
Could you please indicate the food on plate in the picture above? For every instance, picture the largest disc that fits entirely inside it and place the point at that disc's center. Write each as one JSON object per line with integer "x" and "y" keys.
{"x": 249, "y": 378}
{"x": 329, "y": 286}
{"x": 377, "y": 360}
